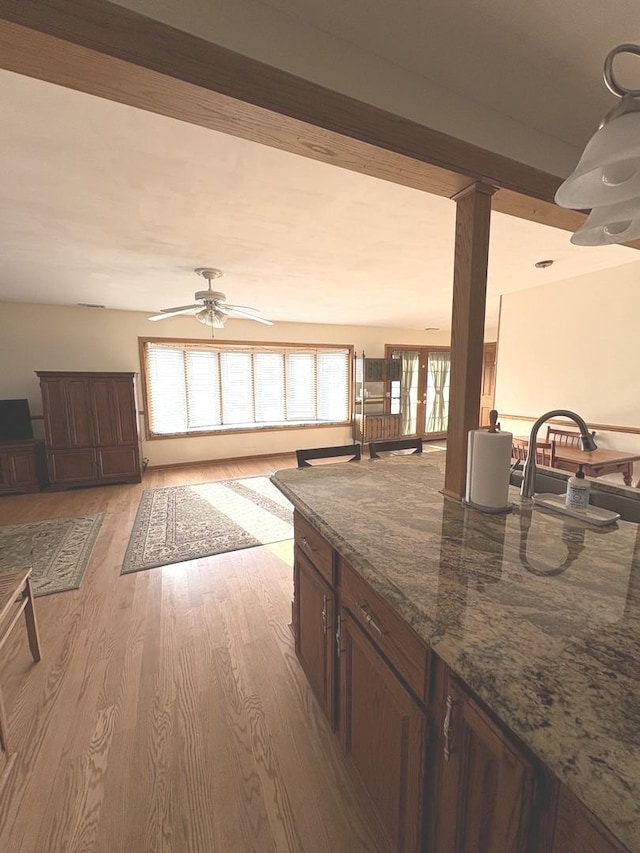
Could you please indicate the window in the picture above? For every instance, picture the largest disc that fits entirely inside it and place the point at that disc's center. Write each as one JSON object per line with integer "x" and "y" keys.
{"x": 193, "y": 387}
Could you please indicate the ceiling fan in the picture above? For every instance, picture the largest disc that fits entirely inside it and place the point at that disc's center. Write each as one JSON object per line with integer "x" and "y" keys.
{"x": 211, "y": 307}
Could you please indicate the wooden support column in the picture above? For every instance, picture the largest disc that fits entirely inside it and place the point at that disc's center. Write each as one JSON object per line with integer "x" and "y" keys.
{"x": 473, "y": 216}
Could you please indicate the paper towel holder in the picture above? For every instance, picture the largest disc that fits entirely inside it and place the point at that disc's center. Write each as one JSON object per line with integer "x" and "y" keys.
{"x": 494, "y": 427}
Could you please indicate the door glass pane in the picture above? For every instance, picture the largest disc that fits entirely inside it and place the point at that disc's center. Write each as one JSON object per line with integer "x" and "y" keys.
{"x": 437, "y": 408}
{"x": 406, "y": 391}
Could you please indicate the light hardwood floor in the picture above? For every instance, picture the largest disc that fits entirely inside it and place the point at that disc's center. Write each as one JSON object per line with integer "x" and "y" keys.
{"x": 169, "y": 712}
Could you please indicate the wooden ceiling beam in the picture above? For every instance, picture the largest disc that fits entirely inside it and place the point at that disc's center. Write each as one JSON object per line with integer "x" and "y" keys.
{"x": 106, "y": 50}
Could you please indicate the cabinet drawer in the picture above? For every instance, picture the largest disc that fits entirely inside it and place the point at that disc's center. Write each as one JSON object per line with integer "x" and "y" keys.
{"x": 314, "y": 547}
{"x": 402, "y": 647}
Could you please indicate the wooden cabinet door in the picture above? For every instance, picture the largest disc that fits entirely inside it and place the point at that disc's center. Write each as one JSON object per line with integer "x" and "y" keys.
{"x": 24, "y": 470}
{"x": 383, "y": 732}
{"x": 72, "y": 466}
{"x": 67, "y": 410}
{"x": 20, "y": 467}
{"x": 578, "y": 831}
{"x": 118, "y": 463}
{"x": 126, "y": 414}
{"x": 5, "y": 470}
{"x": 488, "y": 391}
{"x": 113, "y": 406}
{"x": 104, "y": 412}
{"x": 483, "y": 784}
{"x": 314, "y": 627}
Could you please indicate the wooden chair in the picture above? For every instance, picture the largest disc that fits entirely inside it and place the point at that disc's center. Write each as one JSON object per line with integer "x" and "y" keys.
{"x": 393, "y": 445}
{"x": 303, "y": 456}
{"x": 566, "y": 437}
{"x": 545, "y": 451}
{"x": 16, "y": 586}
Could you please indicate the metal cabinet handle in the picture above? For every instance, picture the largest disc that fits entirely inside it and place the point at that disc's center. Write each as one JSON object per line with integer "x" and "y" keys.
{"x": 339, "y": 649}
{"x": 325, "y": 614}
{"x": 368, "y": 618}
{"x": 447, "y": 730}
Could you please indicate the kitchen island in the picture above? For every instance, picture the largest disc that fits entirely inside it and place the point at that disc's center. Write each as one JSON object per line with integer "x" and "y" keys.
{"x": 536, "y": 613}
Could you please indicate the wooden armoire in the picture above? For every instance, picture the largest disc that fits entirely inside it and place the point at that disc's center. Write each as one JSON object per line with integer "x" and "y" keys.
{"x": 91, "y": 428}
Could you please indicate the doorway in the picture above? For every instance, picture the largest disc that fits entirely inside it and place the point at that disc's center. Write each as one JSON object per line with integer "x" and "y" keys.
{"x": 421, "y": 396}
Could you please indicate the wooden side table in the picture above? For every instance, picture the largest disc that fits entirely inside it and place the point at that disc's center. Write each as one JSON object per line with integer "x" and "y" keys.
{"x": 16, "y": 596}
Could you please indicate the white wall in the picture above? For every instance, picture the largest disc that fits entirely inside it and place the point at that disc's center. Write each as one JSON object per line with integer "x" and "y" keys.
{"x": 262, "y": 32}
{"x": 52, "y": 337}
{"x": 573, "y": 344}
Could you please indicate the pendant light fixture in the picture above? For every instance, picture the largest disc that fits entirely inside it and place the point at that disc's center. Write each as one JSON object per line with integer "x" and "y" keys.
{"x": 607, "y": 178}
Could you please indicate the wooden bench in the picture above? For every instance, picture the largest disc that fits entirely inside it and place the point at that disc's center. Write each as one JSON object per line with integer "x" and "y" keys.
{"x": 16, "y": 596}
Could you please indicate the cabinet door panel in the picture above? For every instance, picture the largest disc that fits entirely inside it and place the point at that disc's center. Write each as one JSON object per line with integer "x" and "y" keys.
{"x": 78, "y": 413}
{"x": 117, "y": 462}
{"x": 102, "y": 403}
{"x": 578, "y": 831}
{"x": 5, "y": 469}
{"x": 485, "y": 784}
{"x": 72, "y": 466}
{"x": 314, "y": 605}
{"x": 55, "y": 413}
{"x": 126, "y": 415}
{"x": 24, "y": 471}
{"x": 67, "y": 412}
{"x": 383, "y": 732}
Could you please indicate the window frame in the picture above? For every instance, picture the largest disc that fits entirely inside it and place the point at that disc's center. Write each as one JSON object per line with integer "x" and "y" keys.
{"x": 242, "y": 346}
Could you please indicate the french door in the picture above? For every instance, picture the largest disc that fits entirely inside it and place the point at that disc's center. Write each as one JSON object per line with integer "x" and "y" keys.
{"x": 422, "y": 394}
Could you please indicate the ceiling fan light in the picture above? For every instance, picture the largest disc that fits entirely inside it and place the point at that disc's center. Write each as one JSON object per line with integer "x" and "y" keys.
{"x": 211, "y": 317}
{"x": 609, "y": 170}
{"x": 616, "y": 223}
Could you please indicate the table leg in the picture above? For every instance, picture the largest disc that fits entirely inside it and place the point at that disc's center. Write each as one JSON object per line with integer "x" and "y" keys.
{"x": 627, "y": 474}
{"x": 32, "y": 625}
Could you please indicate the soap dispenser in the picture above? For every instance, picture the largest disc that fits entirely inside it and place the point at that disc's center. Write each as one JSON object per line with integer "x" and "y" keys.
{"x": 578, "y": 490}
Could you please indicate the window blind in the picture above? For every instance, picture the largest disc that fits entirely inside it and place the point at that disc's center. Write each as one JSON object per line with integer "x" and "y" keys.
{"x": 194, "y": 388}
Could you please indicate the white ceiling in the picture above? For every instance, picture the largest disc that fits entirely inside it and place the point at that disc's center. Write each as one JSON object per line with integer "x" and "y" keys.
{"x": 102, "y": 203}
{"x": 538, "y": 62}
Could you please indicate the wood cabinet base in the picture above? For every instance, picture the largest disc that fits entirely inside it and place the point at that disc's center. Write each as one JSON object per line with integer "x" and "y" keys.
{"x": 22, "y": 467}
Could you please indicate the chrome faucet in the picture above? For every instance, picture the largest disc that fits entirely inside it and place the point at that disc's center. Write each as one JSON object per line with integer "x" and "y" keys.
{"x": 527, "y": 489}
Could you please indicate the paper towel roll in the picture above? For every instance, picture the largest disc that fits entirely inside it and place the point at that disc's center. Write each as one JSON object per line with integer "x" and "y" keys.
{"x": 488, "y": 467}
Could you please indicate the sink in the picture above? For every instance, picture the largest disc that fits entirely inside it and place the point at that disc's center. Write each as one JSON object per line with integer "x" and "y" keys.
{"x": 602, "y": 494}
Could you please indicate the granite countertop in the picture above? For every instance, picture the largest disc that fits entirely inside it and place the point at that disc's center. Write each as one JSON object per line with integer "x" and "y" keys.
{"x": 536, "y": 612}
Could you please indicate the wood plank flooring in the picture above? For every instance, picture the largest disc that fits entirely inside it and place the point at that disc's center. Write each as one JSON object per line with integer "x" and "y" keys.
{"x": 169, "y": 712}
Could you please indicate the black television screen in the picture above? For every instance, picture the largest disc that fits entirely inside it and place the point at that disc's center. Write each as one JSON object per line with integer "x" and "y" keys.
{"x": 15, "y": 420}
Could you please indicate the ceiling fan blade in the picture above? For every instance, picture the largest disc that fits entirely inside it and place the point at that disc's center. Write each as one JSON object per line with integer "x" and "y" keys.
{"x": 181, "y": 308}
{"x": 226, "y": 306}
{"x": 174, "y": 312}
{"x": 251, "y": 317}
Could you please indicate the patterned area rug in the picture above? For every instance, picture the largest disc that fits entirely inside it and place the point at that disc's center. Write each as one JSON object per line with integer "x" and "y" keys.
{"x": 188, "y": 522}
{"x": 57, "y": 549}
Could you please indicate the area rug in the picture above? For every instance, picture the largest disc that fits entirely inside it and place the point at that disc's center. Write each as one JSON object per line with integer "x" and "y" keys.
{"x": 58, "y": 550}
{"x": 180, "y": 523}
